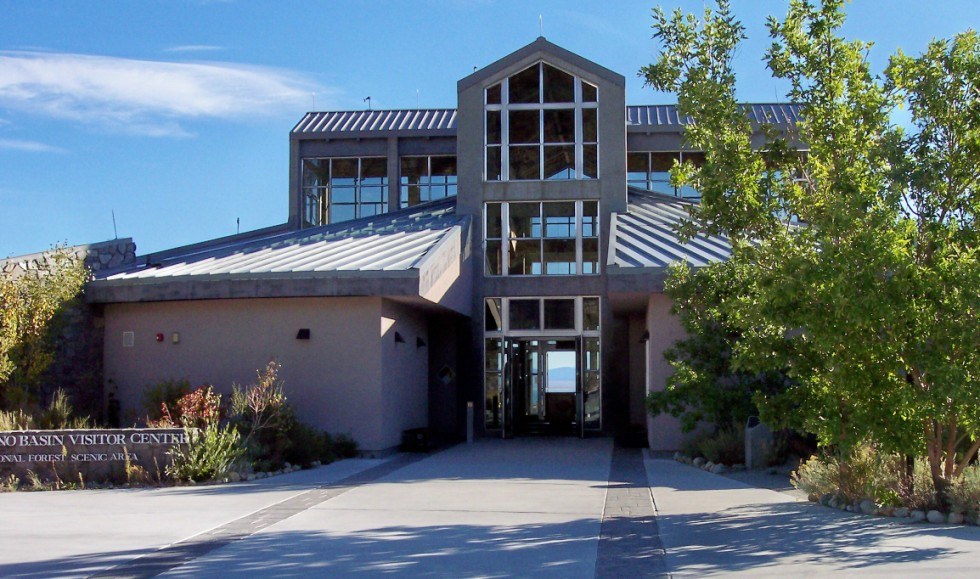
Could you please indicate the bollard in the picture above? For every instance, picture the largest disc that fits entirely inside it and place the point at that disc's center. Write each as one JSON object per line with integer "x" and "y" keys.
{"x": 469, "y": 422}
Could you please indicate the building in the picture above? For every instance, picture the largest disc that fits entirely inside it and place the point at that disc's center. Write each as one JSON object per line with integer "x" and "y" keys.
{"x": 508, "y": 254}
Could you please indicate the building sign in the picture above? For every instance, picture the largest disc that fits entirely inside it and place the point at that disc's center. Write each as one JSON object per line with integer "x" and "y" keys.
{"x": 93, "y": 453}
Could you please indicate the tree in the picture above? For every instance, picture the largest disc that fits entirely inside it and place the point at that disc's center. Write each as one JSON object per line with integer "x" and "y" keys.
{"x": 871, "y": 303}
{"x": 704, "y": 386}
{"x": 29, "y": 308}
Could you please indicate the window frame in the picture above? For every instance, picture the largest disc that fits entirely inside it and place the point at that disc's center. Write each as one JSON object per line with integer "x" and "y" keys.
{"x": 325, "y": 202}
{"x": 427, "y": 183}
{"x": 648, "y": 182}
{"x": 505, "y": 107}
{"x": 506, "y": 239}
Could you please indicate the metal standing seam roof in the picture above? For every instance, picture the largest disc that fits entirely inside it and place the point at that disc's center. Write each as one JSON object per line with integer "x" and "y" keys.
{"x": 419, "y": 120}
{"x": 645, "y": 236}
{"x": 667, "y": 115}
{"x": 391, "y": 242}
{"x": 443, "y": 121}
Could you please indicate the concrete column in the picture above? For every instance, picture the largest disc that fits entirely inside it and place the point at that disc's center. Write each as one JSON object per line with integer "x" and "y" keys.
{"x": 394, "y": 167}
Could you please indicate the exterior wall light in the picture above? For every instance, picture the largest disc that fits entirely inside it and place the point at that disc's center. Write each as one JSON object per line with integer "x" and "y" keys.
{"x": 399, "y": 339}
{"x": 303, "y": 334}
{"x": 419, "y": 343}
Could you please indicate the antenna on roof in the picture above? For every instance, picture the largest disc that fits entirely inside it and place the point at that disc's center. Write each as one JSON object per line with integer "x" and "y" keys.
{"x": 115, "y": 233}
{"x": 540, "y": 25}
{"x": 368, "y": 101}
{"x": 313, "y": 94}
{"x": 238, "y": 225}
{"x": 418, "y": 98}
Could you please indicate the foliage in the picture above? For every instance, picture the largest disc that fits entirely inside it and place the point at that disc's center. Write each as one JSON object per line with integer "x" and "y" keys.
{"x": 344, "y": 445}
{"x": 29, "y": 308}
{"x": 16, "y": 420}
{"x": 862, "y": 473}
{"x": 160, "y": 401}
{"x": 200, "y": 408}
{"x": 871, "y": 305}
{"x": 210, "y": 452}
{"x": 725, "y": 446}
{"x": 965, "y": 494}
{"x": 704, "y": 386}
{"x": 9, "y": 484}
{"x": 61, "y": 415}
{"x": 263, "y": 416}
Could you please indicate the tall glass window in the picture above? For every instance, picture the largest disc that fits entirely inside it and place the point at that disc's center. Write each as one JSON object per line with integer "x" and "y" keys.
{"x": 651, "y": 171}
{"x": 341, "y": 189}
{"x": 426, "y": 179}
{"x": 541, "y": 124}
{"x": 542, "y": 238}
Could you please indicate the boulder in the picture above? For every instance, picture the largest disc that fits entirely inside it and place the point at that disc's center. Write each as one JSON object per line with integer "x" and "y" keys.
{"x": 708, "y": 465}
{"x": 901, "y": 512}
{"x": 698, "y": 462}
{"x": 935, "y": 517}
{"x": 886, "y": 511}
{"x": 867, "y": 506}
{"x": 813, "y": 498}
{"x": 917, "y": 516}
{"x": 956, "y": 519}
{"x": 235, "y": 477}
{"x": 719, "y": 469}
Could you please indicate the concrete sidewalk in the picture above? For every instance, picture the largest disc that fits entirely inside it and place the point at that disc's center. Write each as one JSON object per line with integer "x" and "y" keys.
{"x": 713, "y": 525}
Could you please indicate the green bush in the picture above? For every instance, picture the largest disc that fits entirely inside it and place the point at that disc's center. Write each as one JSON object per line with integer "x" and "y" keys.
{"x": 160, "y": 401}
{"x": 16, "y": 420}
{"x": 965, "y": 493}
{"x": 725, "y": 446}
{"x": 210, "y": 452}
{"x": 863, "y": 473}
{"x": 61, "y": 415}
{"x": 344, "y": 446}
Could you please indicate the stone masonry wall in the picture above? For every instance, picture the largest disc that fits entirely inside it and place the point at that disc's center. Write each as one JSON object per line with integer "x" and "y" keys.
{"x": 77, "y": 368}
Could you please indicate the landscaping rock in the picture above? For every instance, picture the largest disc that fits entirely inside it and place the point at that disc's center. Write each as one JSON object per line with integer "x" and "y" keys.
{"x": 738, "y": 467}
{"x": 719, "y": 469}
{"x": 867, "y": 506}
{"x": 901, "y": 512}
{"x": 678, "y": 457}
{"x": 935, "y": 517}
{"x": 849, "y": 508}
{"x": 235, "y": 477}
{"x": 886, "y": 511}
{"x": 826, "y": 498}
{"x": 956, "y": 519}
{"x": 250, "y": 477}
{"x": 917, "y": 516}
{"x": 813, "y": 498}
{"x": 708, "y": 465}
{"x": 833, "y": 502}
{"x": 698, "y": 462}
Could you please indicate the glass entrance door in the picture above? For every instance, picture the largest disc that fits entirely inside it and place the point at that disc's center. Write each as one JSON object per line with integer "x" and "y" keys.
{"x": 542, "y": 386}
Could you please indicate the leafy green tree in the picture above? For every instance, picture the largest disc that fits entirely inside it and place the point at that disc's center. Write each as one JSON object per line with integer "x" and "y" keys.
{"x": 29, "y": 308}
{"x": 871, "y": 304}
{"x": 704, "y": 386}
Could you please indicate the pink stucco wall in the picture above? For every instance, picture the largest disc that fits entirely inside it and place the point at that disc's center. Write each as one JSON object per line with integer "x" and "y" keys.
{"x": 334, "y": 380}
{"x": 664, "y": 431}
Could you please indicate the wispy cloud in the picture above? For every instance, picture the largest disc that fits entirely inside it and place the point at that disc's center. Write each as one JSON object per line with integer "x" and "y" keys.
{"x": 29, "y": 146}
{"x": 194, "y": 48}
{"x": 143, "y": 96}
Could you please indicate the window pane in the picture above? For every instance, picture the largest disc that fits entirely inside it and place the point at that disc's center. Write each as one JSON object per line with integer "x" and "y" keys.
{"x": 589, "y": 92}
{"x": 492, "y": 321}
{"x": 524, "y": 127}
{"x": 340, "y": 213}
{"x": 559, "y": 314}
{"x": 559, "y": 256}
{"x": 344, "y": 172}
{"x": 315, "y": 172}
{"x": 590, "y": 125}
{"x": 637, "y": 166}
{"x": 525, "y": 220}
{"x": 590, "y": 159}
{"x": 525, "y": 314}
{"x": 493, "y": 127}
{"x": 525, "y": 257}
{"x": 342, "y": 195}
{"x": 590, "y": 218}
{"x": 374, "y": 170}
{"x": 559, "y": 86}
{"x": 524, "y": 86}
{"x": 370, "y": 210}
{"x": 559, "y": 162}
{"x": 411, "y": 195}
{"x": 493, "y": 95}
{"x": 590, "y": 314}
{"x": 444, "y": 166}
{"x": 559, "y": 126}
{"x": 525, "y": 163}
{"x": 661, "y": 163}
{"x": 493, "y": 221}
{"x": 590, "y": 255}
{"x": 413, "y": 169}
{"x": 559, "y": 219}
{"x": 493, "y": 163}
{"x": 373, "y": 194}
{"x": 493, "y": 258}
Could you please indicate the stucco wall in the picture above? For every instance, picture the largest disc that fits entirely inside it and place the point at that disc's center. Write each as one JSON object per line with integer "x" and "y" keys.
{"x": 664, "y": 431}
{"x": 405, "y": 371}
{"x": 333, "y": 380}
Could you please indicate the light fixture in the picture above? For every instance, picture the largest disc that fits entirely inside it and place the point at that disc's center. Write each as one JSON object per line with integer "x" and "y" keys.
{"x": 645, "y": 337}
{"x": 303, "y": 334}
{"x": 419, "y": 343}
{"x": 399, "y": 339}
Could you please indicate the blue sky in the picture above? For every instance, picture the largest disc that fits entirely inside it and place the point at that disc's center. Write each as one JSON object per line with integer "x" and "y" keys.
{"x": 175, "y": 115}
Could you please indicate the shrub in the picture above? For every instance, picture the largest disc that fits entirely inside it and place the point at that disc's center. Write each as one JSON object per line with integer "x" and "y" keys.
{"x": 210, "y": 452}
{"x": 863, "y": 473}
{"x": 160, "y": 401}
{"x": 265, "y": 419}
{"x": 61, "y": 415}
{"x": 965, "y": 493}
{"x": 16, "y": 420}
{"x": 308, "y": 445}
{"x": 725, "y": 446}
{"x": 344, "y": 446}
{"x": 200, "y": 408}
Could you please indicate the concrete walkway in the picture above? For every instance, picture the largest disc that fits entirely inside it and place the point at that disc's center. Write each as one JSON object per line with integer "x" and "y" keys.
{"x": 713, "y": 525}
